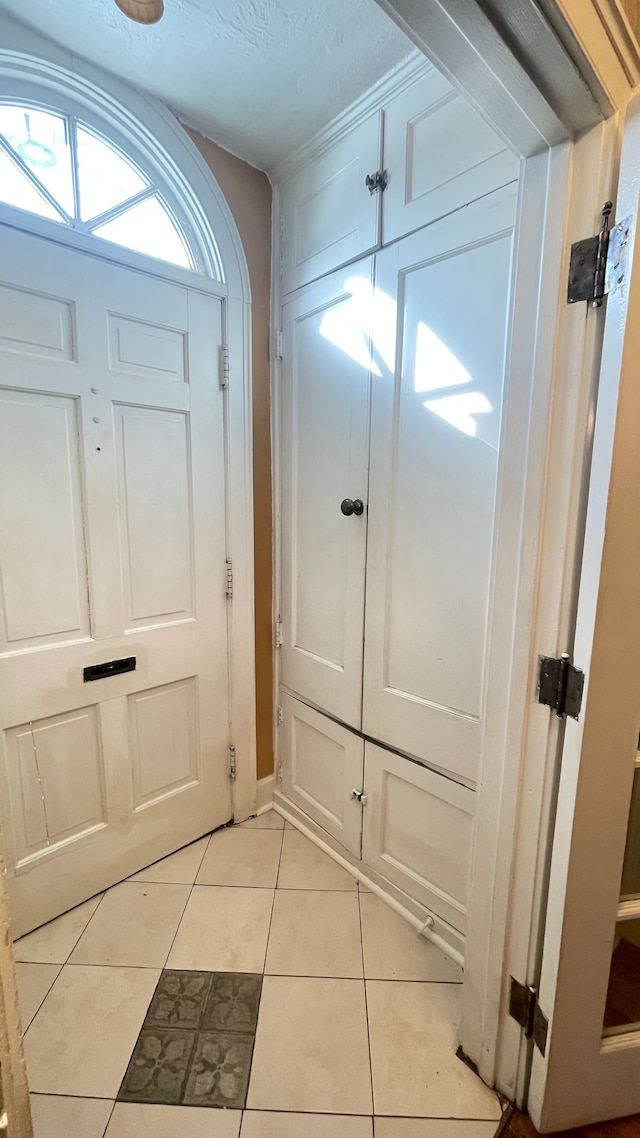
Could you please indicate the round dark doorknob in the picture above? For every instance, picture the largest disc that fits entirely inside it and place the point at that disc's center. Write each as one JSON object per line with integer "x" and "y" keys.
{"x": 349, "y": 507}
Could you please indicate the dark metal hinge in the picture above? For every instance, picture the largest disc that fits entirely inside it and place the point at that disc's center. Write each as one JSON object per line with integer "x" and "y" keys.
{"x": 525, "y": 1010}
{"x": 598, "y": 264}
{"x": 560, "y": 685}
{"x": 233, "y": 770}
{"x": 377, "y": 183}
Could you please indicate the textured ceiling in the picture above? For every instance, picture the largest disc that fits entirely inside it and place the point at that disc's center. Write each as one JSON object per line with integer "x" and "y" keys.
{"x": 258, "y": 76}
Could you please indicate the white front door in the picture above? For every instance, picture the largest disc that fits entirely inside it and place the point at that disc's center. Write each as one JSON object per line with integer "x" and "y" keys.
{"x": 590, "y": 979}
{"x": 325, "y": 436}
{"x": 439, "y": 344}
{"x": 112, "y": 554}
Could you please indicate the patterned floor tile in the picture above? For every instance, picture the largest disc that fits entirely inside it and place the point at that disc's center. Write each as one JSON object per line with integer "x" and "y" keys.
{"x": 219, "y": 1073}
{"x": 158, "y": 1067}
{"x": 179, "y": 999}
{"x": 233, "y": 1002}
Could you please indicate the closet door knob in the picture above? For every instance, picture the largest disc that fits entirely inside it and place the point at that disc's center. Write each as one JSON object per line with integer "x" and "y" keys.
{"x": 349, "y": 507}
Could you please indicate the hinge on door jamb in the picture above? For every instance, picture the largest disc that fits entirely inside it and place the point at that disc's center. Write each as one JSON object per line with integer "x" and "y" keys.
{"x": 279, "y": 632}
{"x": 279, "y": 772}
{"x": 525, "y": 1010}
{"x": 598, "y": 264}
{"x": 229, "y": 567}
{"x": 224, "y": 366}
{"x": 280, "y": 717}
{"x": 278, "y": 343}
{"x": 232, "y": 762}
{"x": 560, "y": 685}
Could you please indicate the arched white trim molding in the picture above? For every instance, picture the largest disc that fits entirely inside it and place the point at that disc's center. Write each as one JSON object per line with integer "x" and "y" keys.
{"x": 35, "y": 71}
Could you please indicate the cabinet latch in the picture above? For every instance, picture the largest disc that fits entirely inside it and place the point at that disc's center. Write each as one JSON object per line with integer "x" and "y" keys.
{"x": 377, "y": 183}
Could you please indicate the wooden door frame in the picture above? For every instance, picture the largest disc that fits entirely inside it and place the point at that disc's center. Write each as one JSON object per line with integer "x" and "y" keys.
{"x": 569, "y": 152}
{"x": 29, "y": 60}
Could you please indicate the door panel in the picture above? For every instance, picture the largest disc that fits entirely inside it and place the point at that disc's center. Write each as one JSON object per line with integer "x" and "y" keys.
{"x": 417, "y": 832}
{"x": 329, "y": 216}
{"x": 440, "y": 155}
{"x": 322, "y": 765}
{"x": 434, "y": 460}
{"x": 112, "y": 545}
{"x": 325, "y": 394}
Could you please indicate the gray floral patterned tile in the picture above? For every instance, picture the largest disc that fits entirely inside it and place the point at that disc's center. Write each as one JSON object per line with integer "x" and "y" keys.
{"x": 158, "y": 1067}
{"x": 219, "y": 1073}
{"x": 179, "y": 999}
{"x": 233, "y": 1002}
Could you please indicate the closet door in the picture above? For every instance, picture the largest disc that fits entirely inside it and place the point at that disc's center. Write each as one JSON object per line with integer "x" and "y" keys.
{"x": 321, "y": 767}
{"x": 435, "y": 436}
{"x": 439, "y": 155}
{"x": 325, "y": 412}
{"x": 329, "y": 216}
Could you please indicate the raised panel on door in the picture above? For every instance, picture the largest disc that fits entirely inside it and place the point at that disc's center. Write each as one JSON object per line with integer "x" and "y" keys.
{"x": 435, "y": 440}
{"x": 112, "y": 545}
{"x": 325, "y": 394}
{"x": 417, "y": 832}
{"x": 321, "y": 766}
{"x": 439, "y": 154}
{"x": 328, "y": 215}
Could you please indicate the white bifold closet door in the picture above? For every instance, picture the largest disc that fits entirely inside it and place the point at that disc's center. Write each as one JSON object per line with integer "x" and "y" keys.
{"x": 440, "y": 331}
{"x": 325, "y": 437}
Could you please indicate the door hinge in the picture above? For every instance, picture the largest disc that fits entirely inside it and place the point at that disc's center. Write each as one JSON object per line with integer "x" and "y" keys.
{"x": 229, "y": 569}
{"x": 232, "y": 763}
{"x": 224, "y": 366}
{"x": 359, "y": 795}
{"x": 279, "y": 772}
{"x": 598, "y": 265}
{"x": 279, "y": 632}
{"x": 280, "y": 717}
{"x": 278, "y": 343}
{"x": 377, "y": 183}
{"x": 560, "y": 685}
{"x": 525, "y": 1010}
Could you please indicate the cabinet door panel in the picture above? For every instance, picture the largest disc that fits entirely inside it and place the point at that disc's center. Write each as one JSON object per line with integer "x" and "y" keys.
{"x": 325, "y": 392}
{"x": 329, "y": 216}
{"x": 434, "y": 461}
{"x": 439, "y": 154}
{"x": 417, "y": 832}
{"x": 321, "y": 766}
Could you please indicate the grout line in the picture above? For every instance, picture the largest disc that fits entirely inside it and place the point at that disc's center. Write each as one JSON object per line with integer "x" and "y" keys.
{"x": 366, "y": 1006}
{"x": 113, "y": 1107}
{"x": 273, "y": 905}
{"x": 189, "y": 895}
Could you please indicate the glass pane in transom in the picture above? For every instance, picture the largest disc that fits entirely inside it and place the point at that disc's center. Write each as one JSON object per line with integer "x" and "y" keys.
{"x": 148, "y": 228}
{"x": 41, "y": 140}
{"x": 17, "y": 190}
{"x": 105, "y": 178}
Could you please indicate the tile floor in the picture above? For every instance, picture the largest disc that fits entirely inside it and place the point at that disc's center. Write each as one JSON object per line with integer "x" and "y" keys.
{"x": 356, "y": 1024}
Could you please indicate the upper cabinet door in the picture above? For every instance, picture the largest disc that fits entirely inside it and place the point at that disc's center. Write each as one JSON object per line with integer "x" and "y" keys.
{"x": 435, "y": 437}
{"x": 439, "y": 154}
{"x": 329, "y": 216}
{"x": 325, "y": 432}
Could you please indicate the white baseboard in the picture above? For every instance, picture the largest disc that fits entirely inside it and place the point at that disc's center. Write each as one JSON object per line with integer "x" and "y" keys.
{"x": 264, "y": 796}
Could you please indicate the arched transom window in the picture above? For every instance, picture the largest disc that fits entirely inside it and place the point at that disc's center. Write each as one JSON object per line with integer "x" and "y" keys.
{"x": 56, "y": 166}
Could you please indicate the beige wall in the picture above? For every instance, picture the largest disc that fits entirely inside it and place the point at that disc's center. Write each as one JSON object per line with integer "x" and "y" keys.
{"x": 632, "y": 8}
{"x": 248, "y": 193}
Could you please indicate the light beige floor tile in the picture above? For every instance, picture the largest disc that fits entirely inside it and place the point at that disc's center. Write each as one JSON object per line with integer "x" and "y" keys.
{"x": 289, "y": 825}
{"x": 267, "y": 821}
{"x": 53, "y": 943}
{"x": 223, "y": 930}
{"x": 311, "y": 1052}
{"x": 242, "y": 857}
{"x": 412, "y": 1028}
{"x": 135, "y": 926}
{"x": 177, "y": 869}
{"x": 139, "y": 1120}
{"x": 432, "y": 1128}
{"x": 304, "y": 866}
{"x": 34, "y": 981}
{"x": 81, "y": 1039}
{"x": 393, "y": 950}
{"x": 363, "y": 888}
{"x": 58, "y": 1117}
{"x": 314, "y": 933}
{"x": 259, "y": 1124}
